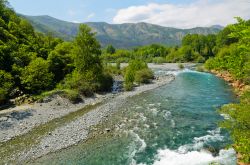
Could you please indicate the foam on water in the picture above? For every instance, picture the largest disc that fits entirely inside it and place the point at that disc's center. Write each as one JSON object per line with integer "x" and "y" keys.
{"x": 142, "y": 117}
{"x": 138, "y": 141}
{"x": 199, "y": 142}
{"x": 177, "y": 72}
{"x": 167, "y": 115}
{"x": 169, "y": 157}
{"x": 154, "y": 111}
{"x": 194, "y": 154}
{"x": 141, "y": 146}
{"x": 176, "y": 135}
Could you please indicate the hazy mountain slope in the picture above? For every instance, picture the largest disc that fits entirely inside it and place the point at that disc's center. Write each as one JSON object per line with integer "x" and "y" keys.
{"x": 120, "y": 35}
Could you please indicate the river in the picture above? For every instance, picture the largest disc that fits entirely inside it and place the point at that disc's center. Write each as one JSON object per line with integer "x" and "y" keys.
{"x": 176, "y": 124}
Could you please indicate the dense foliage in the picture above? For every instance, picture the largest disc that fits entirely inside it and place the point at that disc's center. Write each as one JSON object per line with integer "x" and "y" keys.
{"x": 234, "y": 57}
{"x": 32, "y": 63}
{"x": 239, "y": 125}
{"x": 195, "y": 48}
{"x": 234, "y": 53}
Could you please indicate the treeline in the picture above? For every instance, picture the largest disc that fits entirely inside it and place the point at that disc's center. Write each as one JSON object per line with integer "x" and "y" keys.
{"x": 31, "y": 63}
{"x": 233, "y": 57}
{"x": 195, "y": 48}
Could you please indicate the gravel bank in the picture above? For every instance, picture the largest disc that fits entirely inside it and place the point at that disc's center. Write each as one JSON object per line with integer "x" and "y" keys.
{"x": 23, "y": 119}
{"x": 78, "y": 130}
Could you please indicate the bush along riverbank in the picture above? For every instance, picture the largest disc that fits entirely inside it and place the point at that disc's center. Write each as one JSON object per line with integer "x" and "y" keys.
{"x": 237, "y": 117}
{"x": 232, "y": 63}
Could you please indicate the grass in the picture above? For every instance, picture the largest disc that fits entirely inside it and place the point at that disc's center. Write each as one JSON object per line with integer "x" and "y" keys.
{"x": 200, "y": 68}
{"x": 72, "y": 95}
{"x": 181, "y": 66}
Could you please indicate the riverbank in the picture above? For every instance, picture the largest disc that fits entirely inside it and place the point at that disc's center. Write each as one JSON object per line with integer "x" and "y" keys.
{"x": 21, "y": 120}
{"x": 239, "y": 87}
{"x": 172, "y": 124}
{"x": 242, "y": 109}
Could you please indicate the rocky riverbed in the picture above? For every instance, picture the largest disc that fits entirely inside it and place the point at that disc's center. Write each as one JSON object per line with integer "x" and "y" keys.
{"x": 25, "y": 120}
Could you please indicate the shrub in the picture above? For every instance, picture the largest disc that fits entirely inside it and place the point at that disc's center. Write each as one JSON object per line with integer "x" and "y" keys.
{"x": 129, "y": 76}
{"x": 128, "y": 86}
{"x": 200, "y": 68}
{"x": 239, "y": 125}
{"x": 72, "y": 95}
{"x": 209, "y": 65}
{"x": 36, "y": 77}
{"x": 85, "y": 86}
{"x": 181, "y": 66}
{"x": 134, "y": 66}
{"x": 6, "y": 84}
{"x": 200, "y": 59}
{"x": 3, "y": 95}
{"x": 112, "y": 70}
{"x": 76, "y": 81}
{"x": 137, "y": 70}
{"x": 159, "y": 60}
{"x": 106, "y": 82}
{"x": 118, "y": 65}
{"x": 144, "y": 76}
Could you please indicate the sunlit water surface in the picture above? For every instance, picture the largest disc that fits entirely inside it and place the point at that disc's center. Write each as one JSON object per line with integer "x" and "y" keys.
{"x": 176, "y": 124}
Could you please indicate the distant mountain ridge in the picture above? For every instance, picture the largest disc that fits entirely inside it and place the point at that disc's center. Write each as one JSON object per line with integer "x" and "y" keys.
{"x": 119, "y": 35}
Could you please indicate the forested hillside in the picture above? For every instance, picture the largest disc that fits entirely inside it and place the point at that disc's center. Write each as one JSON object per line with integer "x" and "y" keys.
{"x": 126, "y": 35}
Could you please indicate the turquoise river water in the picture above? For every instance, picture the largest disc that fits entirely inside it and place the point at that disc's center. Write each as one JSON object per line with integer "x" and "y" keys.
{"x": 176, "y": 124}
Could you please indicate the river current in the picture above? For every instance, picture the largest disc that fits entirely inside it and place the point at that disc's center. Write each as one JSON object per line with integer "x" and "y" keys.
{"x": 176, "y": 124}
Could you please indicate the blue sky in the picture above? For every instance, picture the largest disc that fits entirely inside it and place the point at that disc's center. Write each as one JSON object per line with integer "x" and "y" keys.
{"x": 175, "y": 13}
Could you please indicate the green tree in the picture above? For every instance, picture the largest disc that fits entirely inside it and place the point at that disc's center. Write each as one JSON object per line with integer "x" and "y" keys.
{"x": 88, "y": 75}
{"x": 36, "y": 77}
{"x": 6, "y": 84}
{"x": 110, "y": 49}
{"x": 61, "y": 61}
{"x": 87, "y": 51}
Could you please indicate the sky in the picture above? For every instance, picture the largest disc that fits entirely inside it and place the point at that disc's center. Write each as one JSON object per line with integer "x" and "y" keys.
{"x": 170, "y": 13}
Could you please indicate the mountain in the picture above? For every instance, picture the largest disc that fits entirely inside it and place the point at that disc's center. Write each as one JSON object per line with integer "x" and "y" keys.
{"x": 119, "y": 35}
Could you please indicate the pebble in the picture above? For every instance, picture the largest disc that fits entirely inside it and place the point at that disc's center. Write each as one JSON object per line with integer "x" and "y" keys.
{"x": 78, "y": 130}
{"x": 3, "y": 119}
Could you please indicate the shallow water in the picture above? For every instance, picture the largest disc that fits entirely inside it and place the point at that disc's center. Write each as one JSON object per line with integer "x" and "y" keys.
{"x": 172, "y": 125}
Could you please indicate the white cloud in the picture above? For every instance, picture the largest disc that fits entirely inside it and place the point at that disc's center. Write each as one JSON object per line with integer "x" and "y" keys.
{"x": 90, "y": 15}
{"x": 75, "y": 21}
{"x": 199, "y": 13}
